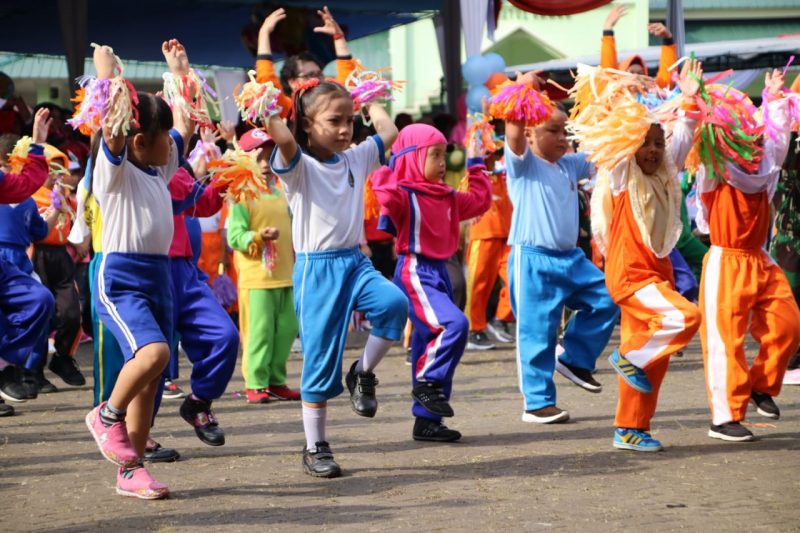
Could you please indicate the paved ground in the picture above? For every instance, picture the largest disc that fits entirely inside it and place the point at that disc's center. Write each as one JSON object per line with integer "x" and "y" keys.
{"x": 504, "y": 474}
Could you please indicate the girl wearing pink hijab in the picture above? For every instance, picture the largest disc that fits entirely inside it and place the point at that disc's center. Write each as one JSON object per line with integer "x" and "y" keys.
{"x": 425, "y": 214}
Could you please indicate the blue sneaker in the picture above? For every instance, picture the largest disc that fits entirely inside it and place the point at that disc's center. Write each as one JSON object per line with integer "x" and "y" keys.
{"x": 632, "y": 374}
{"x": 636, "y": 440}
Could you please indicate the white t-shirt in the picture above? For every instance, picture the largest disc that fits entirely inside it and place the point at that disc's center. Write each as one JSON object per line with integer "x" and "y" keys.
{"x": 136, "y": 204}
{"x": 327, "y": 198}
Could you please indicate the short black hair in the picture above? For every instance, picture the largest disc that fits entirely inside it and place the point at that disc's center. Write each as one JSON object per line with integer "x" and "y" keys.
{"x": 291, "y": 66}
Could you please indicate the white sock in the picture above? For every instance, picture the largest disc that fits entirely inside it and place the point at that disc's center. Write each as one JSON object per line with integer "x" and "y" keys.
{"x": 374, "y": 351}
{"x": 314, "y": 425}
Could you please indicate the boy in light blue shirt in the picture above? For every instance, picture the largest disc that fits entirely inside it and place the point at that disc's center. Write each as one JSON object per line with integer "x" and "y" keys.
{"x": 546, "y": 269}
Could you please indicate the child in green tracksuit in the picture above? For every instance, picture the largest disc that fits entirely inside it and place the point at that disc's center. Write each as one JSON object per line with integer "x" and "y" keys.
{"x": 260, "y": 233}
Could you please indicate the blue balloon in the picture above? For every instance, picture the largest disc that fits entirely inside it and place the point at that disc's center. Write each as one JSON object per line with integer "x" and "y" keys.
{"x": 496, "y": 61}
{"x": 476, "y": 70}
{"x": 475, "y": 96}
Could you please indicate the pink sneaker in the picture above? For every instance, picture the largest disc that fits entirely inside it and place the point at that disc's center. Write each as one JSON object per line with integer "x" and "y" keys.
{"x": 113, "y": 441}
{"x": 140, "y": 484}
{"x": 792, "y": 377}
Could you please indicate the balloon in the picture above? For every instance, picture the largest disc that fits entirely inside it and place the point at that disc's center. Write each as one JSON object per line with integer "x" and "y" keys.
{"x": 476, "y": 70}
{"x": 495, "y": 79}
{"x": 475, "y": 96}
{"x": 496, "y": 61}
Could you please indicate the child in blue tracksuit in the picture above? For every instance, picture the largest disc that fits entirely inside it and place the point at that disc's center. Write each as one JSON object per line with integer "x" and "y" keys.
{"x": 129, "y": 183}
{"x": 324, "y": 183}
{"x": 25, "y": 305}
{"x": 547, "y": 270}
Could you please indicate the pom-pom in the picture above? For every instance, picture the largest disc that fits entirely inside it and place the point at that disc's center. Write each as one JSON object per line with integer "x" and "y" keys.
{"x": 59, "y": 201}
{"x": 521, "y": 103}
{"x": 269, "y": 257}
{"x": 728, "y": 130}
{"x": 238, "y": 174}
{"x": 224, "y": 289}
{"x": 57, "y": 161}
{"x": 367, "y": 86}
{"x": 192, "y": 94}
{"x": 104, "y": 103}
{"x": 481, "y": 131}
{"x": 257, "y": 100}
{"x": 372, "y": 208}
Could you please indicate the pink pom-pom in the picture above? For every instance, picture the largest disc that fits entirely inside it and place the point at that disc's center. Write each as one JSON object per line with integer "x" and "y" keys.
{"x": 520, "y": 103}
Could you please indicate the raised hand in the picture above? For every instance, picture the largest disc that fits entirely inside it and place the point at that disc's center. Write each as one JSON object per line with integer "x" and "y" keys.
{"x": 531, "y": 78}
{"x": 227, "y": 131}
{"x": 659, "y": 30}
{"x": 329, "y": 24}
{"x": 270, "y": 234}
{"x": 41, "y": 125}
{"x": 104, "y": 62}
{"x": 176, "y": 57}
{"x": 272, "y": 20}
{"x": 774, "y": 82}
{"x": 616, "y": 13}
{"x": 690, "y": 76}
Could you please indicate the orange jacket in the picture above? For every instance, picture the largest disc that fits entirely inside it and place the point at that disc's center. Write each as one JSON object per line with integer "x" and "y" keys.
{"x": 265, "y": 71}
{"x": 608, "y": 59}
{"x": 737, "y": 219}
{"x": 630, "y": 265}
{"x": 496, "y": 222}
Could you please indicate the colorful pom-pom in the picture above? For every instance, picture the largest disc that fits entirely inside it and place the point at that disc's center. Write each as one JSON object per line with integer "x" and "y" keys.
{"x": 238, "y": 175}
{"x": 366, "y": 86}
{"x": 481, "y": 131}
{"x": 192, "y": 94}
{"x": 104, "y": 103}
{"x": 520, "y": 103}
{"x": 257, "y": 100}
{"x": 372, "y": 208}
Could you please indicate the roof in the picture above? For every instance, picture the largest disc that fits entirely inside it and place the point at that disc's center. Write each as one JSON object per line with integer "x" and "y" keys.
{"x": 752, "y": 53}
{"x": 728, "y": 4}
{"x": 42, "y": 66}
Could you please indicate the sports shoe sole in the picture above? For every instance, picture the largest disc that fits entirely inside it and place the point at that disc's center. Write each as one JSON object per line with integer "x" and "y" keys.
{"x": 154, "y": 496}
{"x": 327, "y": 475}
{"x": 498, "y": 335}
{"x": 99, "y": 447}
{"x": 563, "y": 416}
{"x": 791, "y": 381}
{"x": 627, "y": 379}
{"x": 635, "y": 448}
{"x": 721, "y": 436}
{"x": 173, "y": 395}
{"x": 562, "y": 369}
{"x": 480, "y": 347}
{"x": 10, "y": 398}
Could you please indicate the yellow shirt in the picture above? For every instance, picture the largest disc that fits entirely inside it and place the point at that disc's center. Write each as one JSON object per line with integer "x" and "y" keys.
{"x": 244, "y": 221}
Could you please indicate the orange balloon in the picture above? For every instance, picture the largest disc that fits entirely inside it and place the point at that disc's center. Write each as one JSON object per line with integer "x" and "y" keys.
{"x": 495, "y": 79}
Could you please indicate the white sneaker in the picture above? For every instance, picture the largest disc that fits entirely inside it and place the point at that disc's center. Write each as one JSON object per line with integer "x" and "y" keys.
{"x": 498, "y": 334}
{"x": 546, "y": 415}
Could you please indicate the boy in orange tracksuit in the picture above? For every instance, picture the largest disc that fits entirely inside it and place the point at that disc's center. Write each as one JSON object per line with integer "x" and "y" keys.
{"x": 742, "y": 288}
{"x": 301, "y": 67}
{"x": 636, "y": 220}
{"x": 635, "y": 64}
{"x": 487, "y": 258}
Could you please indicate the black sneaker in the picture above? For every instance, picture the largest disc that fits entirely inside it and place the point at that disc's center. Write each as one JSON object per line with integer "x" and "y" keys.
{"x": 5, "y": 409}
{"x": 29, "y": 384}
{"x": 478, "y": 340}
{"x": 431, "y": 397}
{"x": 319, "y": 461}
{"x": 11, "y": 387}
{"x": 362, "y": 391}
{"x": 408, "y": 357}
{"x": 43, "y": 384}
{"x": 765, "y": 405}
{"x": 155, "y": 453}
{"x": 198, "y": 413}
{"x": 433, "y": 431}
{"x": 67, "y": 369}
{"x": 730, "y": 431}
{"x": 579, "y": 376}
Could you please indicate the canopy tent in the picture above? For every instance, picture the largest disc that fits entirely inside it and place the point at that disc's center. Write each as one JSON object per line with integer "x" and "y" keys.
{"x": 717, "y": 56}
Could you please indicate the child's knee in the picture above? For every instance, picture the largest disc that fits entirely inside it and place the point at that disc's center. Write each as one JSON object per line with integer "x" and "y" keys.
{"x": 692, "y": 318}
{"x": 230, "y": 339}
{"x": 395, "y": 306}
{"x": 154, "y": 355}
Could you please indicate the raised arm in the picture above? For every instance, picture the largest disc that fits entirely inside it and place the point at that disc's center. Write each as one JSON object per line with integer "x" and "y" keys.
{"x": 683, "y": 134}
{"x": 345, "y": 64}
{"x": 287, "y": 145}
{"x": 104, "y": 64}
{"x": 778, "y": 142}
{"x": 14, "y": 188}
{"x": 608, "y": 46}
{"x": 265, "y": 68}
{"x": 178, "y": 63}
{"x": 669, "y": 53}
{"x": 515, "y": 130}
{"x": 383, "y": 124}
